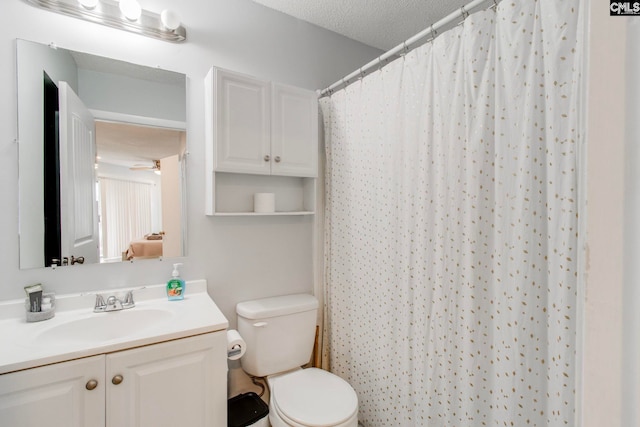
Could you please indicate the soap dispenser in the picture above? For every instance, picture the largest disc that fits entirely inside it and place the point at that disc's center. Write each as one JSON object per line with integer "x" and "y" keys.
{"x": 175, "y": 286}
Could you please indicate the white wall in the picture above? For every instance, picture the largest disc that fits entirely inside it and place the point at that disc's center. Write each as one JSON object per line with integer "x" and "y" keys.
{"x": 126, "y": 95}
{"x": 631, "y": 289}
{"x": 241, "y": 258}
{"x": 603, "y": 339}
{"x": 171, "y": 209}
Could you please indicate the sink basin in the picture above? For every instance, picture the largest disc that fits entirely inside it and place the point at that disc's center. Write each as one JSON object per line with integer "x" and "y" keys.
{"x": 100, "y": 327}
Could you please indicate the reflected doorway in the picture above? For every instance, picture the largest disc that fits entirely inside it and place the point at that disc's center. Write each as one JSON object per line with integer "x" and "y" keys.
{"x": 140, "y": 171}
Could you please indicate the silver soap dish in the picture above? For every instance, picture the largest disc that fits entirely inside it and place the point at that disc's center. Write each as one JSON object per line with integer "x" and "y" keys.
{"x": 38, "y": 316}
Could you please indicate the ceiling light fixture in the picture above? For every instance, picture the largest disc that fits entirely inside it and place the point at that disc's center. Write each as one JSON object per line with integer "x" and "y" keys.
{"x": 130, "y": 9}
{"x": 89, "y": 4}
{"x": 125, "y": 15}
{"x": 170, "y": 19}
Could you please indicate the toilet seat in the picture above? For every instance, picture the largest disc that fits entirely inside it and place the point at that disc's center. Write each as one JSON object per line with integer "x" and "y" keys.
{"x": 314, "y": 398}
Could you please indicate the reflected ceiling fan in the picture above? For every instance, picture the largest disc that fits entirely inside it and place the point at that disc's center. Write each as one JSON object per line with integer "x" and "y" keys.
{"x": 155, "y": 167}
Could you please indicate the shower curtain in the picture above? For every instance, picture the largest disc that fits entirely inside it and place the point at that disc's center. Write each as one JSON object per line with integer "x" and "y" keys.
{"x": 452, "y": 224}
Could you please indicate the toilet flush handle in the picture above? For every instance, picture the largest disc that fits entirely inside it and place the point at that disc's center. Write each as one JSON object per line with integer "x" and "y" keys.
{"x": 260, "y": 324}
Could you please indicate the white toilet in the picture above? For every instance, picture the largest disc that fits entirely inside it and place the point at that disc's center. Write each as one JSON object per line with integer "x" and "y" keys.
{"x": 279, "y": 333}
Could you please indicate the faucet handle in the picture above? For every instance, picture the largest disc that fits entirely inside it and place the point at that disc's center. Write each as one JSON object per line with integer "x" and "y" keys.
{"x": 128, "y": 298}
{"x": 100, "y": 300}
{"x": 100, "y": 304}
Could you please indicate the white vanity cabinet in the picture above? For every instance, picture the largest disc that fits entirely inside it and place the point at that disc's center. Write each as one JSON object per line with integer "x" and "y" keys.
{"x": 55, "y": 395}
{"x": 174, "y": 383}
{"x": 261, "y": 129}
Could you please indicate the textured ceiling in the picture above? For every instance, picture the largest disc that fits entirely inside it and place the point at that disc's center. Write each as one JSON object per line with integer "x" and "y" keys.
{"x": 130, "y": 145}
{"x": 379, "y": 23}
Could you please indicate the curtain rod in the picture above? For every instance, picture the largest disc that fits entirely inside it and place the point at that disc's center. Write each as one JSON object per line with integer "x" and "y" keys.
{"x": 463, "y": 12}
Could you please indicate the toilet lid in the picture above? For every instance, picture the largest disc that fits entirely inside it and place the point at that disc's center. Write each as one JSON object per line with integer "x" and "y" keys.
{"x": 314, "y": 398}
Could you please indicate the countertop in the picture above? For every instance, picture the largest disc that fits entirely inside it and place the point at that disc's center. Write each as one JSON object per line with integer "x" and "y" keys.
{"x": 23, "y": 346}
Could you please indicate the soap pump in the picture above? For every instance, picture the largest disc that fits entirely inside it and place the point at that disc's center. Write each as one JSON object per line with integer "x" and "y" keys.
{"x": 175, "y": 286}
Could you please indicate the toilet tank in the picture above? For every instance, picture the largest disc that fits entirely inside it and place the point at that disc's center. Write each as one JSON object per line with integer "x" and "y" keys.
{"x": 279, "y": 333}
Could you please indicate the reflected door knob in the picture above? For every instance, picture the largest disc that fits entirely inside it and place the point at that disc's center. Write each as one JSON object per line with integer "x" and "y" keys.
{"x": 277, "y": 159}
{"x": 91, "y": 385}
{"x": 267, "y": 158}
{"x": 79, "y": 260}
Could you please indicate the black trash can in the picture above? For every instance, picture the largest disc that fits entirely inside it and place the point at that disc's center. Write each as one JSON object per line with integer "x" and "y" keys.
{"x": 246, "y": 409}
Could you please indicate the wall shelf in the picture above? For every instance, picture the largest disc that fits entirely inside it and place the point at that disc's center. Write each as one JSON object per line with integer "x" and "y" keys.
{"x": 234, "y": 194}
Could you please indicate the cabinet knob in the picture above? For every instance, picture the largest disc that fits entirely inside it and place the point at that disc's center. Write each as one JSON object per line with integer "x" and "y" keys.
{"x": 277, "y": 159}
{"x": 91, "y": 384}
{"x": 267, "y": 158}
{"x": 117, "y": 379}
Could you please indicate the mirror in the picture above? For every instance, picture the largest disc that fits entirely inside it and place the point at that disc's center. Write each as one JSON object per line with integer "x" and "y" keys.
{"x": 102, "y": 157}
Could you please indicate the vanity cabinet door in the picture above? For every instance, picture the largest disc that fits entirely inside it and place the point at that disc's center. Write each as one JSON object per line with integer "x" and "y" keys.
{"x": 294, "y": 131}
{"x": 240, "y": 123}
{"x": 59, "y": 395}
{"x": 176, "y": 383}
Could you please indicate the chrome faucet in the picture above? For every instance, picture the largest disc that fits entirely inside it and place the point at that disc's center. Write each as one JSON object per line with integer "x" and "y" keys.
{"x": 113, "y": 303}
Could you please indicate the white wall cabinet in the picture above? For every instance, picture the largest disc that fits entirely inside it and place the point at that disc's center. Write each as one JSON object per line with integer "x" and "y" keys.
{"x": 294, "y": 131}
{"x": 241, "y": 122}
{"x": 262, "y": 129}
{"x": 181, "y": 382}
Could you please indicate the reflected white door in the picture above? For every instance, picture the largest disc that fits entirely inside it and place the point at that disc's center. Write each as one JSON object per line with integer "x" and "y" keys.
{"x": 78, "y": 205}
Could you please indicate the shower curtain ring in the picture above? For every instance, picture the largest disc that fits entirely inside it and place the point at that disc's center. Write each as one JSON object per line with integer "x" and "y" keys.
{"x": 465, "y": 14}
{"x": 405, "y": 49}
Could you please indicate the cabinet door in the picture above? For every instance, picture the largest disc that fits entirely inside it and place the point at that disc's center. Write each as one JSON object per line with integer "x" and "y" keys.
{"x": 54, "y": 395}
{"x": 176, "y": 383}
{"x": 294, "y": 131}
{"x": 241, "y": 123}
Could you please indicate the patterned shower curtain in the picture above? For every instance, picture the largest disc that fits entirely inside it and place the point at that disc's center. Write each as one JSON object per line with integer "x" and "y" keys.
{"x": 451, "y": 225}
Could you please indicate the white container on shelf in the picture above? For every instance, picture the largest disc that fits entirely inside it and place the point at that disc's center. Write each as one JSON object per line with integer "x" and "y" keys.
{"x": 264, "y": 202}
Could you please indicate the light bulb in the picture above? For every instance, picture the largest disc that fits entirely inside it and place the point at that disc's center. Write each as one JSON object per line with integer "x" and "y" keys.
{"x": 131, "y": 9}
{"x": 88, "y": 4}
{"x": 170, "y": 19}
